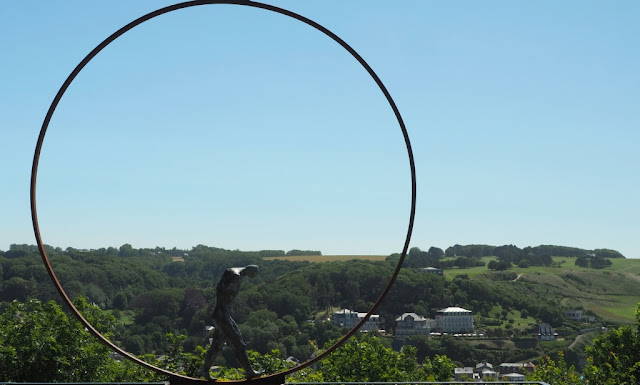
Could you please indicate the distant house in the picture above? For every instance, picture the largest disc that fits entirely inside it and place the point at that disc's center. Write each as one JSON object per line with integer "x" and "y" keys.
{"x": 573, "y": 314}
{"x": 411, "y": 324}
{"x": 545, "y": 332}
{"x": 454, "y": 320}
{"x": 488, "y": 375}
{"x": 373, "y": 323}
{"x": 460, "y": 374}
{"x": 482, "y": 371}
{"x": 579, "y": 316}
{"x": 345, "y": 318}
{"x": 513, "y": 377}
{"x": 484, "y": 365}
{"x": 348, "y": 318}
{"x": 512, "y": 367}
{"x": 431, "y": 270}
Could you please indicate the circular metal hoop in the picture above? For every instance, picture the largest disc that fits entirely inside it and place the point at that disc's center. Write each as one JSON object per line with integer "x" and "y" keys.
{"x": 174, "y": 377}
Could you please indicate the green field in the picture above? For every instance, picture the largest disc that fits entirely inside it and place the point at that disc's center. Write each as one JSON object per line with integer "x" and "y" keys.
{"x": 328, "y": 258}
{"x": 612, "y": 293}
{"x": 514, "y": 316}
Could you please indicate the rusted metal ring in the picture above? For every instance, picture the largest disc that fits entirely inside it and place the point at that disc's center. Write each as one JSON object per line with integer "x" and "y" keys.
{"x": 174, "y": 377}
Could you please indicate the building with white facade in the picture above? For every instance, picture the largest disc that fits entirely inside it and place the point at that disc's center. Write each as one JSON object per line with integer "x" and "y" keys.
{"x": 513, "y": 377}
{"x": 348, "y": 318}
{"x": 345, "y": 318}
{"x": 432, "y": 270}
{"x": 411, "y": 324}
{"x": 461, "y": 374}
{"x": 454, "y": 320}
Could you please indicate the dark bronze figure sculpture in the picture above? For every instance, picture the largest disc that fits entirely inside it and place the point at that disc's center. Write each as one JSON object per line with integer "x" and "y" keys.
{"x": 226, "y": 328}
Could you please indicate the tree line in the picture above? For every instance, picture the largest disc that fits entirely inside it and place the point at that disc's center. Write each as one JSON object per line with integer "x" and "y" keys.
{"x": 284, "y": 309}
{"x": 459, "y": 256}
{"x": 280, "y": 309}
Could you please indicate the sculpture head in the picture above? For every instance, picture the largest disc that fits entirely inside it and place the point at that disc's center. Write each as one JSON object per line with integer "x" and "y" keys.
{"x": 250, "y": 271}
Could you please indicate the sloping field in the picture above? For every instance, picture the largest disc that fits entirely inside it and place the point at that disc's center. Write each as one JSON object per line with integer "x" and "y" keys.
{"x": 616, "y": 309}
{"x": 626, "y": 265}
{"x": 611, "y": 293}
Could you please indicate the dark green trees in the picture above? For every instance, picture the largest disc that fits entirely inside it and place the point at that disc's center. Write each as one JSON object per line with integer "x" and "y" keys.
{"x": 365, "y": 358}
{"x": 593, "y": 262}
{"x": 614, "y": 357}
{"x": 39, "y": 343}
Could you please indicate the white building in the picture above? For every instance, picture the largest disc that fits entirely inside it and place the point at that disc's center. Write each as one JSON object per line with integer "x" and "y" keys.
{"x": 431, "y": 270}
{"x": 411, "y": 324}
{"x": 345, "y": 318}
{"x": 513, "y": 377}
{"x": 488, "y": 375}
{"x": 348, "y": 318}
{"x": 485, "y": 371}
{"x": 454, "y": 320}
{"x": 460, "y": 374}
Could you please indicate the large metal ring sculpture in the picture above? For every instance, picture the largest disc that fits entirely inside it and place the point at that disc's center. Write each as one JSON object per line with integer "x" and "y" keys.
{"x": 175, "y": 378}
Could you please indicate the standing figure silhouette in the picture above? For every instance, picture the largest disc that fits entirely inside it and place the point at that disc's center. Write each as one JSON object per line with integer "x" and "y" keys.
{"x": 226, "y": 328}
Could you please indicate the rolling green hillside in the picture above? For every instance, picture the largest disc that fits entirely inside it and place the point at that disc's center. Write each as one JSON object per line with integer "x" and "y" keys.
{"x": 611, "y": 293}
{"x": 152, "y": 292}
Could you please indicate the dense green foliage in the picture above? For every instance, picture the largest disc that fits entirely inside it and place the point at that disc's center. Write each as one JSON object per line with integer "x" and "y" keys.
{"x": 365, "y": 358}
{"x": 39, "y": 343}
{"x": 459, "y": 256}
{"x": 614, "y": 357}
{"x": 513, "y": 253}
{"x": 463, "y": 353}
{"x": 593, "y": 262}
{"x": 555, "y": 372}
{"x": 303, "y": 252}
{"x": 151, "y": 295}
{"x": 157, "y": 302}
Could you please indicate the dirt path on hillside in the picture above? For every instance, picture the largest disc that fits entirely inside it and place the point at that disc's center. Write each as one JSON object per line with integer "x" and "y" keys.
{"x": 518, "y": 277}
{"x": 575, "y": 341}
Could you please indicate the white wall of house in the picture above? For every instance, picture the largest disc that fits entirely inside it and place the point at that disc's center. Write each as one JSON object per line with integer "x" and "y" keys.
{"x": 348, "y": 318}
{"x": 454, "y": 320}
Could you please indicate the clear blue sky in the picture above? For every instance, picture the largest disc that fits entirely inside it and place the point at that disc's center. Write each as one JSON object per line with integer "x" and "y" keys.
{"x": 237, "y": 128}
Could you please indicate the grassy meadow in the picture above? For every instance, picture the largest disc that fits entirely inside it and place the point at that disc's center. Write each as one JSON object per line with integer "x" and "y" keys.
{"x": 612, "y": 293}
